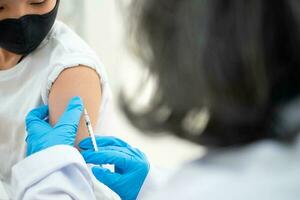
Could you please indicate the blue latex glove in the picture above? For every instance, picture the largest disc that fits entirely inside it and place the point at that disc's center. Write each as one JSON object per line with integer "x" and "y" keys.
{"x": 131, "y": 165}
{"x": 42, "y": 135}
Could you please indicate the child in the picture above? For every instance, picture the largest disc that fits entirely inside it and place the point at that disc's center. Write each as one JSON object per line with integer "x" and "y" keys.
{"x": 42, "y": 62}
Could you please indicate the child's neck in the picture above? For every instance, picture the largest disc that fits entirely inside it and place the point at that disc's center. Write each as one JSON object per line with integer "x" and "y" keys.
{"x": 8, "y": 59}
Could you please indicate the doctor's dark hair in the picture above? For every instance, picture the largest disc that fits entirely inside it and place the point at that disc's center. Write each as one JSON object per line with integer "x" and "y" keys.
{"x": 238, "y": 60}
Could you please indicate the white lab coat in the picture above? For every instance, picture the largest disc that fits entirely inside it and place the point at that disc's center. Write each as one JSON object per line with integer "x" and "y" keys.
{"x": 58, "y": 173}
{"x": 264, "y": 170}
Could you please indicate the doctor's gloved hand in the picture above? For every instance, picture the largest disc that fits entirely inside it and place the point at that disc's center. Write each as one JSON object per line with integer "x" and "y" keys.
{"x": 42, "y": 135}
{"x": 131, "y": 165}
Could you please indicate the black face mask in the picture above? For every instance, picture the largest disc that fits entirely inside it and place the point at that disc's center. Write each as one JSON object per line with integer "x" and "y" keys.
{"x": 22, "y": 36}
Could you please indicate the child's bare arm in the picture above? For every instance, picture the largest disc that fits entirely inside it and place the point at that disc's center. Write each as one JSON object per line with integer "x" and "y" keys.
{"x": 76, "y": 81}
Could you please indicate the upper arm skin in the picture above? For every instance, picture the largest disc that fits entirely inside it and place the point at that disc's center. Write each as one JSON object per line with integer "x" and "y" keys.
{"x": 76, "y": 81}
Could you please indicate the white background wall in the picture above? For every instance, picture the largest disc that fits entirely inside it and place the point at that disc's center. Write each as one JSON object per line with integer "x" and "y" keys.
{"x": 101, "y": 23}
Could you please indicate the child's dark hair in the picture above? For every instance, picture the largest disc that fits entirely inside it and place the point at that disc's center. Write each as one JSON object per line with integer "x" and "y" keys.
{"x": 238, "y": 59}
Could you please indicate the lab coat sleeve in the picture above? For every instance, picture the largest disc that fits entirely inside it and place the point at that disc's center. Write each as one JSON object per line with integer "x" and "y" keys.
{"x": 58, "y": 172}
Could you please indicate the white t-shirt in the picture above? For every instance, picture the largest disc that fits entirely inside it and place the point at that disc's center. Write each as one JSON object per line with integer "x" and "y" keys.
{"x": 27, "y": 86}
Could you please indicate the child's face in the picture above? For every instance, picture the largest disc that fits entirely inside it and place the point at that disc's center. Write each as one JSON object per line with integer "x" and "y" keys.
{"x": 18, "y": 8}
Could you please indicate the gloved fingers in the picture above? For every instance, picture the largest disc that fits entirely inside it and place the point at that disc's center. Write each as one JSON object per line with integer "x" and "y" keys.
{"x": 119, "y": 159}
{"x": 86, "y": 144}
{"x": 111, "y": 143}
{"x": 35, "y": 120}
{"x": 130, "y": 151}
{"x": 37, "y": 114}
{"x": 70, "y": 118}
{"x": 139, "y": 153}
{"x": 124, "y": 150}
{"x": 102, "y": 141}
{"x": 105, "y": 176}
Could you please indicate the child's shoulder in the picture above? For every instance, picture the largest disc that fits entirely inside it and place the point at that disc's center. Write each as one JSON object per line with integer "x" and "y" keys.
{"x": 63, "y": 49}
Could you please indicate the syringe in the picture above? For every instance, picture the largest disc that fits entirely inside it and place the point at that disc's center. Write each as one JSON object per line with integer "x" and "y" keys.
{"x": 90, "y": 129}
